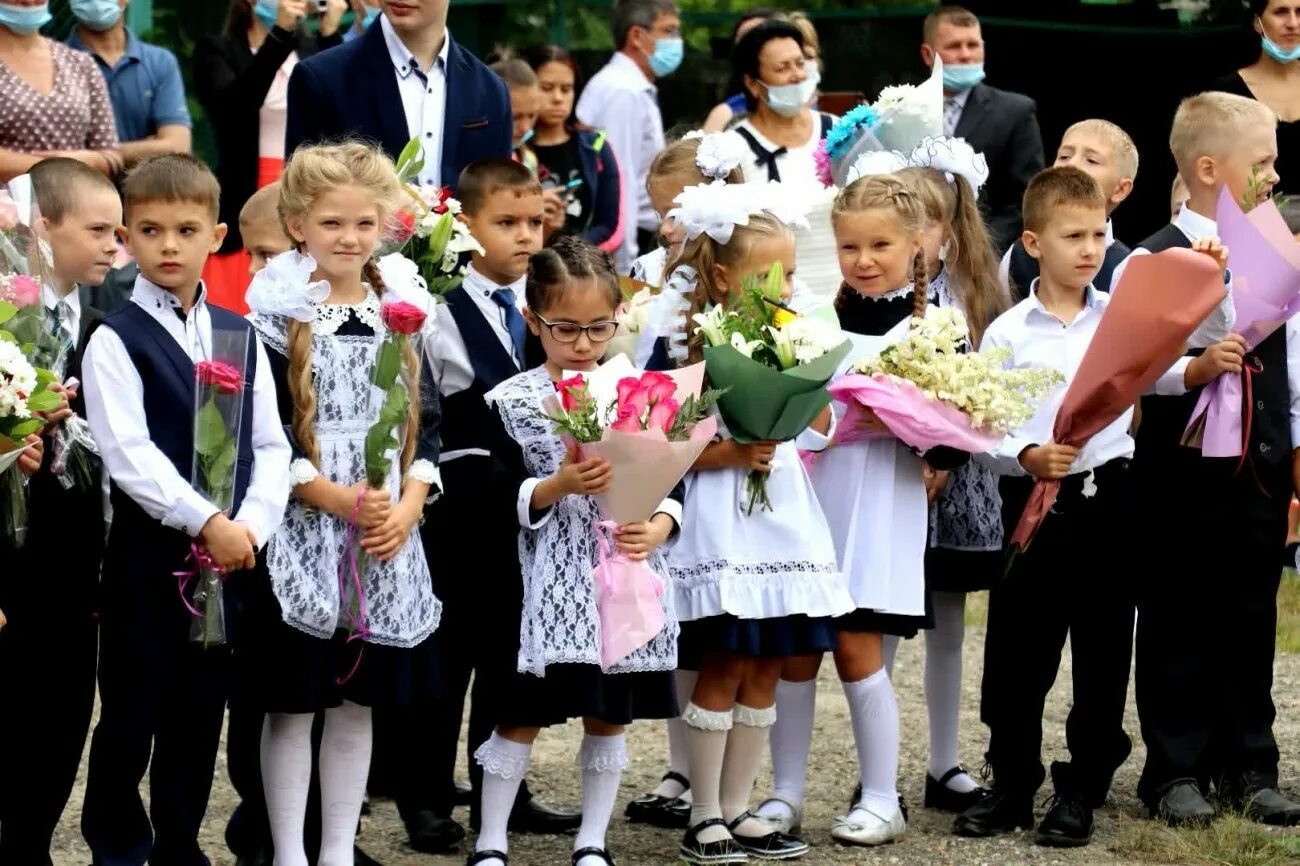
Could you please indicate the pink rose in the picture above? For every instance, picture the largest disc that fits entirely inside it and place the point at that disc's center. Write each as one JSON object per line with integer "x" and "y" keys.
{"x": 400, "y": 227}
{"x": 627, "y": 423}
{"x": 8, "y": 212}
{"x": 220, "y": 375}
{"x": 572, "y": 392}
{"x": 658, "y": 386}
{"x": 633, "y": 398}
{"x": 402, "y": 318}
{"x": 22, "y": 290}
{"x": 662, "y": 415}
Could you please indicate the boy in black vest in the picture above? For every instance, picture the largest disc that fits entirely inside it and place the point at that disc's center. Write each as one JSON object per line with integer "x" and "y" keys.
{"x": 1106, "y": 152}
{"x": 160, "y": 692}
{"x": 48, "y": 649}
{"x": 1207, "y": 606}
{"x": 470, "y": 539}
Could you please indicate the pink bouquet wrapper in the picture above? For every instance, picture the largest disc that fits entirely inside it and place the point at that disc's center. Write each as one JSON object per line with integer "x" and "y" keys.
{"x": 1265, "y": 263}
{"x": 628, "y": 600}
{"x": 915, "y": 419}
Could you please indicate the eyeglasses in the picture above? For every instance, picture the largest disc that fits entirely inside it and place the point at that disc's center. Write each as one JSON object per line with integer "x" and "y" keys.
{"x": 568, "y": 332}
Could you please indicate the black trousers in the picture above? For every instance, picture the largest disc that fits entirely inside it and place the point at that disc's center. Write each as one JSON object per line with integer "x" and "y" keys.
{"x": 47, "y": 677}
{"x": 1207, "y": 619}
{"x": 169, "y": 701}
{"x": 1072, "y": 581}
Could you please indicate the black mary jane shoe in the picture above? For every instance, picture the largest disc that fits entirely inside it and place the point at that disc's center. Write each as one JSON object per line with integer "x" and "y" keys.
{"x": 770, "y": 846}
{"x": 939, "y": 796}
{"x": 481, "y": 856}
{"x": 721, "y": 853}
{"x": 593, "y": 852}
{"x": 668, "y": 813}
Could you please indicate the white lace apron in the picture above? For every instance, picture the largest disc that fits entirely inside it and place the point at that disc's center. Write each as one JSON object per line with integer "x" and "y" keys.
{"x": 559, "y": 622}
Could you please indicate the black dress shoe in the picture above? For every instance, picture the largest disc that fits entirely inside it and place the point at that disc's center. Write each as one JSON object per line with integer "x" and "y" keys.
{"x": 1067, "y": 824}
{"x": 534, "y": 816}
{"x": 592, "y": 852}
{"x": 361, "y": 858}
{"x": 463, "y": 794}
{"x": 670, "y": 813}
{"x": 857, "y": 797}
{"x": 431, "y": 834}
{"x": 720, "y": 853}
{"x": 939, "y": 796}
{"x": 1181, "y": 804}
{"x": 480, "y": 856}
{"x": 1268, "y": 806}
{"x": 256, "y": 858}
{"x": 1001, "y": 811}
{"x": 770, "y": 846}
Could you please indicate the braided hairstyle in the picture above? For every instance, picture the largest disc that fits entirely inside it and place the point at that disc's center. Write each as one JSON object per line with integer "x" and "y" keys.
{"x": 887, "y": 192}
{"x": 311, "y": 173}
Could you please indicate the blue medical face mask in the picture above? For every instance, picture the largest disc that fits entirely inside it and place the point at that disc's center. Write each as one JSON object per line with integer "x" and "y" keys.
{"x": 267, "y": 11}
{"x": 372, "y": 15}
{"x": 788, "y": 100}
{"x": 98, "y": 15}
{"x": 962, "y": 78}
{"x": 1277, "y": 52}
{"x": 24, "y": 19}
{"x": 667, "y": 56}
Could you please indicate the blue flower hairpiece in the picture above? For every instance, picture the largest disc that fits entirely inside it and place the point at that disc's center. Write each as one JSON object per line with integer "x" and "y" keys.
{"x": 844, "y": 132}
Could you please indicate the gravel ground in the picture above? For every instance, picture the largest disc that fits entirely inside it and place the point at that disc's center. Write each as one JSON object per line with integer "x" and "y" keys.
{"x": 831, "y": 778}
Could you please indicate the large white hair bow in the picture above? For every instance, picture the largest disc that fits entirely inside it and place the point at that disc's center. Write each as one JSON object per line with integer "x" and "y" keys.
{"x": 954, "y": 157}
{"x": 719, "y": 153}
{"x": 715, "y": 209}
{"x": 285, "y": 288}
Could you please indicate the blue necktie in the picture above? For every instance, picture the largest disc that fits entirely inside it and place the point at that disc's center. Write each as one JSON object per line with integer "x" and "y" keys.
{"x": 505, "y": 299}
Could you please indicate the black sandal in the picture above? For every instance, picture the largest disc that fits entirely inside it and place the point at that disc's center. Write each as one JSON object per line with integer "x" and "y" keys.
{"x": 668, "y": 813}
{"x": 480, "y": 856}
{"x": 593, "y": 852}
{"x": 770, "y": 846}
{"x": 721, "y": 853}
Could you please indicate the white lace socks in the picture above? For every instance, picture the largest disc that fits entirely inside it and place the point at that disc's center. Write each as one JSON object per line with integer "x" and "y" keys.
{"x": 873, "y": 711}
{"x": 740, "y": 765}
{"x": 286, "y": 777}
{"x": 504, "y": 764}
{"x": 943, "y": 664}
{"x": 706, "y": 745}
{"x": 677, "y": 759}
{"x": 602, "y": 760}
{"x": 796, "y": 705}
{"x": 344, "y": 765}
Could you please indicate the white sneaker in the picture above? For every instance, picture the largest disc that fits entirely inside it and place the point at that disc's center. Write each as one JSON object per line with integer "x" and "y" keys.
{"x": 864, "y": 827}
{"x": 792, "y": 826}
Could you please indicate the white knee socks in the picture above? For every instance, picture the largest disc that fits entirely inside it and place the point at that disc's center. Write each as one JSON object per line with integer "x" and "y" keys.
{"x": 344, "y": 765}
{"x": 791, "y": 739}
{"x": 740, "y": 765}
{"x": 286, "y": 778}
{"x": 874, "y": 713}
{"x": 504, "y": 764}
{"x": 677, "y": 757}
{"x": 706, "y": 746}
{"x": 889, "y": 648}
{"x": 943, "y": 685}
{"x": 602, "y": 760}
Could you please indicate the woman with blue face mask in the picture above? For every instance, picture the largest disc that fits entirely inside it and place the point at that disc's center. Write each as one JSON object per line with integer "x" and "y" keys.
{"x": 1274, "y": 78}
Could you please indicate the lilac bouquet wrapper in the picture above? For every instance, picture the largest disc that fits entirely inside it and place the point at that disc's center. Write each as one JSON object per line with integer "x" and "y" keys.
{"x": 910, "y": 415}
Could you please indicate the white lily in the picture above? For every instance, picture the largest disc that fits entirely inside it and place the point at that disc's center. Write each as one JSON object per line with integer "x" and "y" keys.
{"x": 743, "y": 346}
{"x": 711, "y": 326}
{"x": 784, "y": 347}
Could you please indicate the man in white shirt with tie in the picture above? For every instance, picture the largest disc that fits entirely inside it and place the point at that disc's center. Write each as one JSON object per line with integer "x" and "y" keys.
{"x": 622, "y": 100}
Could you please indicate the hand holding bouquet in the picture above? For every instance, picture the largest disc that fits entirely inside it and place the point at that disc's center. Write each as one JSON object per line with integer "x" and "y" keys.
{"x": 24, "y": 392}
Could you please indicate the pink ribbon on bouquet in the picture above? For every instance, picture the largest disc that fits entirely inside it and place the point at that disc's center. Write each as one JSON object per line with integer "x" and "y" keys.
{"x": 628, "y": 600}
{"x": 351, "y": 572}
{"x": 201, "y": 560}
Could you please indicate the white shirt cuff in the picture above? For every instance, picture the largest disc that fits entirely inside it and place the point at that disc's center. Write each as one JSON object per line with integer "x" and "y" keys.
{"x": 811, "y": 440}
{"x": 523, "y": 507}
{"x": 254, "y": 522}
{"x": 1006, "y": 456}
{"x": 190, "y": 515}
{"x": 673, "y": 509}
{"x": 425, "y": 472}
{"x": 1172, "y": 383}
{"x": 303, "y": 471}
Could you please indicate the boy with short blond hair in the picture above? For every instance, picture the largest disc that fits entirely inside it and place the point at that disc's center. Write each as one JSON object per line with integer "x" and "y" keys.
{"x": 1205, "y": 705}
{"x": 160, "y": 692}
{"x": 1108, "y": 154}
{"x": 261, "y": 228}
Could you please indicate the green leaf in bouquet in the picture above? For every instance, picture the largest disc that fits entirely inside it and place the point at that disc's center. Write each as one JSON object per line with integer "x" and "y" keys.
{"x": 387, "y": 365}
{"x": 441, "y": 235}
{"x": 410, "y": 162}
{"x": 22, "y": 429}
{"x": 44, "y": 401}
{"x": 210, "y": 433}
{"x": 219, "y": 474}
{"x": 7, "y": 311}
{"x": 396, "y": 405}
{"x": 8, "y": 337}
{"x": 774, "y": 283}
{"x": 380, "y": 442}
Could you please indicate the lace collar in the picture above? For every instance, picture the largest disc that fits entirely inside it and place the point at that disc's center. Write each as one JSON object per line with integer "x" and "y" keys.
{"x": 890, "y": 296}
{"x": 330, "y": 317}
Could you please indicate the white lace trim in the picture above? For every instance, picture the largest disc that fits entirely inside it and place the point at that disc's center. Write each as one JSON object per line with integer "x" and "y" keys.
{"x": 303, "y": 471}
{"x": 501, "y": 763}
{"x": 754, "y": 718}
{"x": 667, "y": 316}
{"x": 759, "y": 590}
{"x": 330, "y": 317}
{"x": 707, "y": 720}
{"x": 890, "y": 296}
{"x": 603, "y": 758}
{"x": 424, "y": 472}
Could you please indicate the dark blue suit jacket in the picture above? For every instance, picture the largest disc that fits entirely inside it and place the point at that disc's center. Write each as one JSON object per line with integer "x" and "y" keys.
{"x": 352, "y": 91}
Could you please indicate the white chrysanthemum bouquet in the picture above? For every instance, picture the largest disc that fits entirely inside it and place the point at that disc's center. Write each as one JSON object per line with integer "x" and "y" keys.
{"x": 930, "y": 391}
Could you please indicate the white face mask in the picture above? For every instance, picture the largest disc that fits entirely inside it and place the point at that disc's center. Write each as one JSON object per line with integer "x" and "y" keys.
{"x": 788, "y": 100}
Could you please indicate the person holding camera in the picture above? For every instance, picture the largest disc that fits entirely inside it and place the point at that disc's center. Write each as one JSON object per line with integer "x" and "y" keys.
{"x": 241, "y": 78}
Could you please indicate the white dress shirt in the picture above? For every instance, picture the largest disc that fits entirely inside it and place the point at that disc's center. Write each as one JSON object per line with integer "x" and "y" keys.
{"x": 114, "y": 396}
{"x": 1218, "y": 324}
{"x": 953, "y": 106}
{"x": 1293, "y": 377}
{"x": 1038, "y": 338}
{"x": 72, "y": 325}
{"x": 622, "y": 101}
{"x": 448, "y": 355}
{"x": 1004, "y": 268}
{"x": 424, "y": 100}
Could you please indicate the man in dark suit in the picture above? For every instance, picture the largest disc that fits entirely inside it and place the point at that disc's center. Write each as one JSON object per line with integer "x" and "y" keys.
{"x": 405, "y": 78}
{"x": 1000, "y": 124}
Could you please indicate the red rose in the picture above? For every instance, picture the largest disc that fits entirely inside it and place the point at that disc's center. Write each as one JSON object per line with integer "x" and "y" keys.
{"x": 401, "y": 227}
{"x": 220, "y": 375}
{"x": 403, "y": 318}
{"x": 571, "y": 392}
{"x": 439, "y": 204}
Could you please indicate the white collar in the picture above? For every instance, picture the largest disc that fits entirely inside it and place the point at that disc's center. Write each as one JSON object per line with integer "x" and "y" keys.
{"x": 477, "y": 284}
{"x": 154, "y": 297}
{"x": 1110, "y": 233}
{"x": 1194, "y": 225}
{"x": 51, "y": 298}
{"x": 1091, "y": 300}
{"x": 627, "y": 68}
{"x": 404, "y": 62}
{"x": 330, "y": 317}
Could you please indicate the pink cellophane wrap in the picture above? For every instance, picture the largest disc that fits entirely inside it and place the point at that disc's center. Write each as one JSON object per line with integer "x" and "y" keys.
{"x": 915, "y": 419}
{"x": 1264, "y": 260}
{"x": 628, "y": 600}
